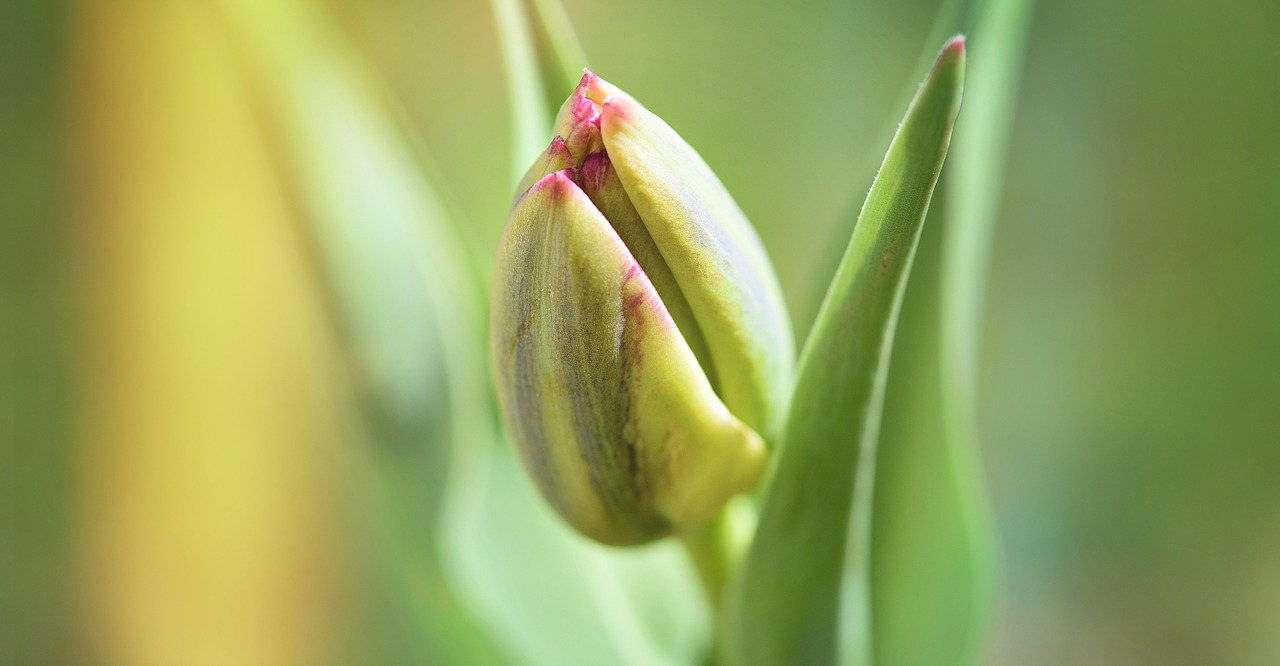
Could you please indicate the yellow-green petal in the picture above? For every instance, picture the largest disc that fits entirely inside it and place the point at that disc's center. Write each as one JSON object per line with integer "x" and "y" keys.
{"x": 610, "y": 412}
{"x": 600, "y": 181}
{"x": 713, "y": 252}
{"x": 553, "y": 159}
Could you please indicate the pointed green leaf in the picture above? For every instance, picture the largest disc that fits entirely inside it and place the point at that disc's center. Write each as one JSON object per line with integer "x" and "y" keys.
{"x": 933, "y": 560}
{"x": 786, "y": 606}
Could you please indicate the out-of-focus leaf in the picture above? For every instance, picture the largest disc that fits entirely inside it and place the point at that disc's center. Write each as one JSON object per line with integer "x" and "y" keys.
{"x": 36, "y": 383}
{"x": 543, "y": 61}
{"x": 1000, "y": 34}
{"x": 560, "y": 55}
{"x": 786, "y": 606}
{"x": 405, "y": 298}
{"x": 933, "y": 561}
{"x": 212, "y": 400}
{"x": 554, "y": 597}
{"x": 545, "y": 595}
{"x": 531, "y": 116}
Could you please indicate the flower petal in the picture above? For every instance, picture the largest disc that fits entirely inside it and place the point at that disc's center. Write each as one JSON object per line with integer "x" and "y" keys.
{"x": 600, "y": 181}
{"x": 553, "y": 159}
{"x": 713, "y": 252}
{"x": 609, "y": 409}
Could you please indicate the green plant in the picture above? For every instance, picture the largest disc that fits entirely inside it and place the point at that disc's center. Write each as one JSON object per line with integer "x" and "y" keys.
{"x": 598, "y": 363}
{"x": 792, "y": 572}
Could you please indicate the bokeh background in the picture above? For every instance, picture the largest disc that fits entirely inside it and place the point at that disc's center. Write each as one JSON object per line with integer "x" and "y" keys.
{"x": 1130, "y": 367}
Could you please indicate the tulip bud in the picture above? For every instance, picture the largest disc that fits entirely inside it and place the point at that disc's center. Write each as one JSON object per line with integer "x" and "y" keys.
{"x": 638, "y": 331}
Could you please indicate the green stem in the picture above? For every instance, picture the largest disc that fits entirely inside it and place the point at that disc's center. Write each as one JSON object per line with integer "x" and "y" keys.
{"x": 712, "y": 550}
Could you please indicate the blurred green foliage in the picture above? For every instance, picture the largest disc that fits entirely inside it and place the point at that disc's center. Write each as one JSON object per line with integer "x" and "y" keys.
{"x": 1132, "y": 364}
{"x": 1130, "y": 370}
{"x": 35, "y": 325}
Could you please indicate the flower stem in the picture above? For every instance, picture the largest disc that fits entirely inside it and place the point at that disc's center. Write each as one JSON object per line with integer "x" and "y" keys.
{"x": 713, "y": 552}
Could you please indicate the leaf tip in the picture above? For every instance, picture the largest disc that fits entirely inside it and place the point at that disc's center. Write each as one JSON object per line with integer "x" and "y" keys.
{"x": 952, "y": 55}
{"x": 948, "y": 70}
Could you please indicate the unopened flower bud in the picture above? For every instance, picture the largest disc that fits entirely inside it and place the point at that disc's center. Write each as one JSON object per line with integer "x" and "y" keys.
{"x": 639, "y": 337}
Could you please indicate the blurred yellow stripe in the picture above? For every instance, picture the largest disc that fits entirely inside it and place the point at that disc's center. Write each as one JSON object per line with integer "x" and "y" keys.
{"x": 208, "y": 519}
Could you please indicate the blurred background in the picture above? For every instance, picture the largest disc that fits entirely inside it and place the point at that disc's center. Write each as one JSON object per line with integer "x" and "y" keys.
{"x": 183, "y": 398}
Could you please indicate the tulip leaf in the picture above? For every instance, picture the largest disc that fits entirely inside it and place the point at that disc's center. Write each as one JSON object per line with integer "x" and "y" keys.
{"x": 932, "y": 558}
{"x": 406, "y": 304}
{"x": 552, "y": 596}
{"x": 530, "y": 113}
{"x": 785, "y": 607}
{"x": 560, "y": 55}
{"x": 543, "y": 61}
{"x": 388, "y": 245}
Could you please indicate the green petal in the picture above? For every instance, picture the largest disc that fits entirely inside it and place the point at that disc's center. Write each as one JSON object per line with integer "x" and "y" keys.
{"x": 553, "y": 159}
{"x": 713, "y": 252}
{"x": 600, "y": 181}
{"x": 609, "y": 409}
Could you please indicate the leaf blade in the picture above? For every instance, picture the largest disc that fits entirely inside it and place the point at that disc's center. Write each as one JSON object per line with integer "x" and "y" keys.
{"x": 540, "y": 593}
{"x": 786, "y": 608}
{"x": 543, "y": 61}
{"x": 404, "y": 298}
{"x": 934, "y": 558}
